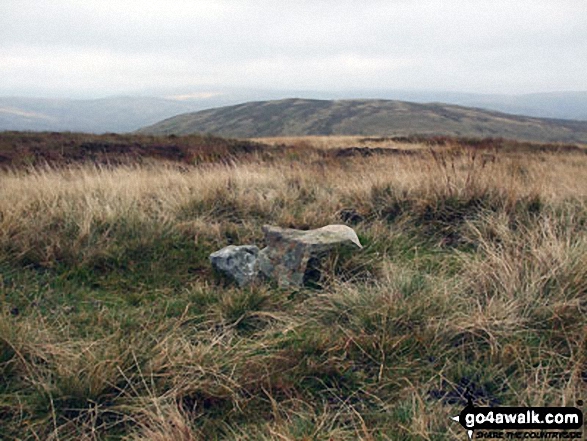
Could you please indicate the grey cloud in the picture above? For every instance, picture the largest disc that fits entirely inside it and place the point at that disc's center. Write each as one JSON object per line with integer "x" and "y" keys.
{"x": 471, "y": 45}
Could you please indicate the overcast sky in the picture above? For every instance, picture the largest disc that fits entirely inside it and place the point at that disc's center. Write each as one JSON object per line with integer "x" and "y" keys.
{"x": 98, "y": 48}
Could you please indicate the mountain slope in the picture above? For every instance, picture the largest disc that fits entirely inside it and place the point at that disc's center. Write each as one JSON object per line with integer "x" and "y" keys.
{"x": 129, "y": 113}
{"x": 565, "y": 105}
{"x": 116, "y": 114}
{"x": 297, "y": 117}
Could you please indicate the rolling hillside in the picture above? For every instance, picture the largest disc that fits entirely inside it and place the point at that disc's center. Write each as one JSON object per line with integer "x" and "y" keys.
{"x": 114, "y": 114}
{"x": 297, "y": 117}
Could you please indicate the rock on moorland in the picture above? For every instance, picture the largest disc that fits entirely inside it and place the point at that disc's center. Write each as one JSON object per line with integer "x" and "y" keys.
{"x": 238, "y": 263}
{"x": 292, "y": 257}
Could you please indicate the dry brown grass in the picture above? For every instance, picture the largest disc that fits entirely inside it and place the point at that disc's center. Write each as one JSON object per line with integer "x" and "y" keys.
{"x": 337, "y": 142}
{"x": 161, "y": 190}
{"x": 113, "y": 326}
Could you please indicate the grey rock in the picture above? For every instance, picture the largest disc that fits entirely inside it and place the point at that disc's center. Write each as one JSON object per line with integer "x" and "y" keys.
{"x": 292, "y": 256}
{"x": 238, "y": 263}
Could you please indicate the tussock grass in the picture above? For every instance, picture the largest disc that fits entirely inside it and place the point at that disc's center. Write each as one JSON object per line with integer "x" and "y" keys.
{"x": 472, "y": 282}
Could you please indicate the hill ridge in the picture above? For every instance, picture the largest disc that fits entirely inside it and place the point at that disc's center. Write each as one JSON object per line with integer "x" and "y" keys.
{"x": 381, "y": 117}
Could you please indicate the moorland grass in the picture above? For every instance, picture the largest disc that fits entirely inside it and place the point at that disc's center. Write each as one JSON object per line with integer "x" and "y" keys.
{"x": 472, "y": 282}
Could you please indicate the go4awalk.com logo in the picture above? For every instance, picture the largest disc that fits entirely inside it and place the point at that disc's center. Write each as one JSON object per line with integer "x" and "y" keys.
{"x": 521, "y": 422}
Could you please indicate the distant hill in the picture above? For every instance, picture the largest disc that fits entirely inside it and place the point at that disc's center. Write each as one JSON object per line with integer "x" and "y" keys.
{"x": 123, "y": 114}
{"x": 565, "y": 105}
{"x": 559, "y": 105}
{"x": 298, "y": 117}
{"x": 116, "y": 114}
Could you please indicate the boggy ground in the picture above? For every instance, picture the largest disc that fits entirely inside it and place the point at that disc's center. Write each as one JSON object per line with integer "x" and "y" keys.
{"x": 472, "y": 282}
